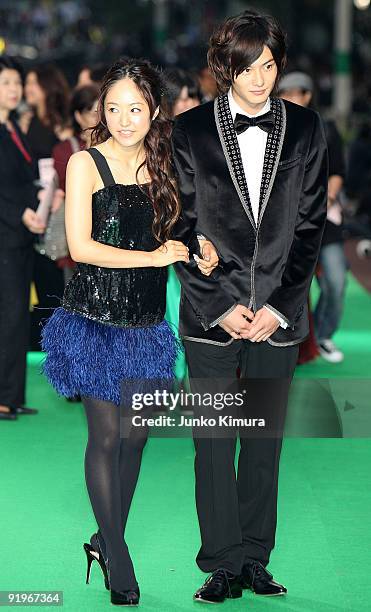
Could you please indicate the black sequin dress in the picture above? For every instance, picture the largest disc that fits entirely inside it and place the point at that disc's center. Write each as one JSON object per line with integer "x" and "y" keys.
{"x": 111, "y": 324}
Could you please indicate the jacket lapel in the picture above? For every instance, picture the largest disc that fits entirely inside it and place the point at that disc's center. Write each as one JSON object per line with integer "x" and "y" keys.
{"x": 232, "y": 153}
{"x": 272, "y": 154}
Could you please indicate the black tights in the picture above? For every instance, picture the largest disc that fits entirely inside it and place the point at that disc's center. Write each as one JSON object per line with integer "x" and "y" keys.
{"x": 112, "y": 464}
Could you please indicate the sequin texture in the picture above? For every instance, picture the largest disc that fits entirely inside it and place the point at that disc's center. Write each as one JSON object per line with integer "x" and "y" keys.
{"x": 122, "y": 216}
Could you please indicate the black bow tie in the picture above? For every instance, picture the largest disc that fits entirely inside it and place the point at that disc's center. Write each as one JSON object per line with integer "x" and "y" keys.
{"x": 265, "y": 122}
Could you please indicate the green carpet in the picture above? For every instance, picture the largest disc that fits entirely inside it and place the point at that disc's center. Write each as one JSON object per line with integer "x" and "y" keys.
{"x": 323, "y": 542}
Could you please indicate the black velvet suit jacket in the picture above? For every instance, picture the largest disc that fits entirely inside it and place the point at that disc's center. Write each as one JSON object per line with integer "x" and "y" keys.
{"x": 269, "y": 262}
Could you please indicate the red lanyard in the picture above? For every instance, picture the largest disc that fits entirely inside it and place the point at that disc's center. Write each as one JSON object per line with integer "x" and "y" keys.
{"x": 20, "y": 146}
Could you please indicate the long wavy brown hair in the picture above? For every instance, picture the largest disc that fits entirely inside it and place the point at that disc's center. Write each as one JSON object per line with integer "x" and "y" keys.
{"x": 57, "y": 95}
{"x": 158, "y": 158}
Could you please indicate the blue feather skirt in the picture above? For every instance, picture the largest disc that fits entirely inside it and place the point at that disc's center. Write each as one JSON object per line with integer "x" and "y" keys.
{"x": 88, "y": 358}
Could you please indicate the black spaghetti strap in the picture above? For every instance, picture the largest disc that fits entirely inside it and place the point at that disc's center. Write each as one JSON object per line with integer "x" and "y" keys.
{"x": 102, "y": 167}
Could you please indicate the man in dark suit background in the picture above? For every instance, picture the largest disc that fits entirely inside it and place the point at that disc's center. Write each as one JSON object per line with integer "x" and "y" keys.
{"x": 252, "y": 174}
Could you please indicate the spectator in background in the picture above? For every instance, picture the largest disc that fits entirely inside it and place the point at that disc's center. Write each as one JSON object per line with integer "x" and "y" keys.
{"x": 90, "y": 75}
{"x": 84, "y": 77}
{"x": 297, "y": 87}
{"x": 83, "y": 113}
{"x": 208, "y": 85}
{"x": 18, "y": 223}
{"x": 47, "y": 93}
{"x": 182, "y": 92}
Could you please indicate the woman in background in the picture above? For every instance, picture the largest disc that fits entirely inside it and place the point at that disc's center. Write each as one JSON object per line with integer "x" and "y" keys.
{"x": 182, "y": 91}
{"x": 47, "y": 94}
{"x": 83, "y": 113}
{"x": 18, "y": 225}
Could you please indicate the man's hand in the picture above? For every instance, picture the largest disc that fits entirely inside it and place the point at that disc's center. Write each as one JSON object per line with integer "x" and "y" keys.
{"x": 33, "y": 222}
{"x": 262, "y": 327}
{"x": 237, "y": 323}
{"x": 210, "y": 258}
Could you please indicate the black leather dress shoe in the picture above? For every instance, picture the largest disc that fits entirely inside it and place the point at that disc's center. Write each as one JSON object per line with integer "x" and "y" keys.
{"x": 218, "y": 587}
{"x": 257, "y": 578}
{"x": 25, "y": 410}
{"x": 9, "y": 415}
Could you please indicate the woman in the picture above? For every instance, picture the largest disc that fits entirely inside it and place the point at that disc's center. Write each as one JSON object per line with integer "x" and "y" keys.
{"x": 83, "y": 112}
{"x": 18, "y": 224}
{"x": 47, "y": 94}
{"x": 111, "y": 326}
{"x": 182, "y": 91}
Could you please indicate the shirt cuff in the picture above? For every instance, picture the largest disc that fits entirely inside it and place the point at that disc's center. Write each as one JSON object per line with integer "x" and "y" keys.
{"x": 274, "y": 312}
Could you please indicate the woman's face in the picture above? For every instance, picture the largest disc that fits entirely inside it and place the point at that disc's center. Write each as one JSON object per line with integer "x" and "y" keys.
{"x": 10, "y": 89}
{"x": 87, "y": 118}
{"x": 184, "y": 102}
{"x": 33, "y": 92}
{"x": 127, "y": 113}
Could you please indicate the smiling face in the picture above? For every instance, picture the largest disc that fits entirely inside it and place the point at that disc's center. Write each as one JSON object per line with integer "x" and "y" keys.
{"x": 10, "y": 89}
{"x": 127, "y": 113}
{"x": 253, "y": 86}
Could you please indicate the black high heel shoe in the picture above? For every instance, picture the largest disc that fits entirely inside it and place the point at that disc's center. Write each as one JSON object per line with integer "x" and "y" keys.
{"x": 129, "y": 597}
{"x": 125, "y": 598}
{"x": 93, "y": 555}
{"x": 94, "y": 552}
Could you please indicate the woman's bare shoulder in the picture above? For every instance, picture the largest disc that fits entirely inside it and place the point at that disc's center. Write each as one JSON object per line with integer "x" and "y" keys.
{"x": 80, "y": 159}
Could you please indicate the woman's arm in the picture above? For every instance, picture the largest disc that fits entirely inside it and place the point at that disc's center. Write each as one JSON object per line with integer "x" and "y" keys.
{"x": 80, "y": 180}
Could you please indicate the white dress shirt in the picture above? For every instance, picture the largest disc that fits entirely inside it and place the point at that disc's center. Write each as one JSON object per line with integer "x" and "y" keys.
{"x": 252, "y": 143}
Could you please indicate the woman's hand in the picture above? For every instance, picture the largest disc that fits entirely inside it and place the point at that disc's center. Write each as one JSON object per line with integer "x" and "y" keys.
{"x": 169, "y": 253}
{"x": 58, "y": 200}
{"x": 33, "y": 223}
{"x": 210, "y": 259}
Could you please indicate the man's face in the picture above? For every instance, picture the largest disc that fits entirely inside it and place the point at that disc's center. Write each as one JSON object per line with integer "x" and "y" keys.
{"x": 253, "y": 86}
{"x": 297, "y": 96}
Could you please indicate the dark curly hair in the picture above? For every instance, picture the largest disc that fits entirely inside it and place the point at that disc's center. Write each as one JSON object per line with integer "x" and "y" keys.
{"x": 162, "y": 189}
{"x": 239, "y": 41}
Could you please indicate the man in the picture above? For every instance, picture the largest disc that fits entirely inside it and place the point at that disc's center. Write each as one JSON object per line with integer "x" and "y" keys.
{"x": 252, "y": 174}
{"x": 297, "y": 87}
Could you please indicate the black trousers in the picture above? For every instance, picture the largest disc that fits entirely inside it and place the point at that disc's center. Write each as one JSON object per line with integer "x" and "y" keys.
{"x": 15, "y": 279}
{"x": 238, "y": 513}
